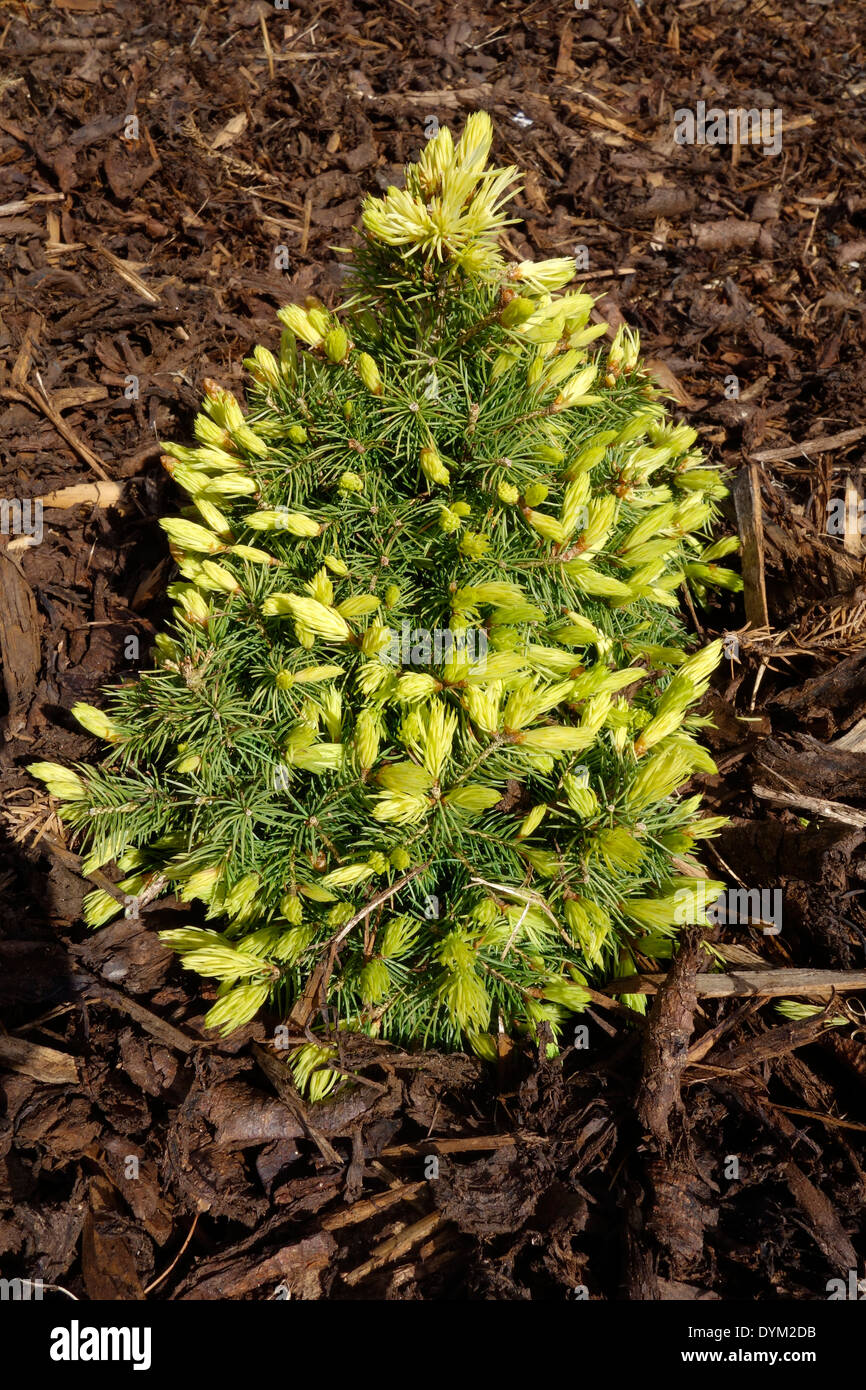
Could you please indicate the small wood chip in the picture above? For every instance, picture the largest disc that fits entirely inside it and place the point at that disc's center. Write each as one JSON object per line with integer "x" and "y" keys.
{"x": 42, "y": 1063}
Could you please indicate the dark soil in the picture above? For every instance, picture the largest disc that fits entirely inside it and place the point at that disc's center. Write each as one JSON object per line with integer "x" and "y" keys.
{"x": 711, "y": 1151}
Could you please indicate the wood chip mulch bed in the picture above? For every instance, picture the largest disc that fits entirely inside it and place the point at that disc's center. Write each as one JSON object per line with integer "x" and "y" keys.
{"x": 710, "y": 1151}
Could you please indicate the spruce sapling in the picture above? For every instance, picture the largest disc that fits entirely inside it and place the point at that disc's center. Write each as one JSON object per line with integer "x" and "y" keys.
{"x": 417, "y": 733}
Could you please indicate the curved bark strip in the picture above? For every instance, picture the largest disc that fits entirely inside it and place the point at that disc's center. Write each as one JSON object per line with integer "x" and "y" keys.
{"x": 666, "y": 1042}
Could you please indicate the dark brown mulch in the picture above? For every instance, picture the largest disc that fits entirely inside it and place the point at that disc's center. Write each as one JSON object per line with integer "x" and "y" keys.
{"x": 711, "y": 1152}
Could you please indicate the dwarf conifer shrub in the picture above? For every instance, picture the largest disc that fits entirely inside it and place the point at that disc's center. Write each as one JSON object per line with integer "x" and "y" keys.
{"x": 416, "y": 736}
